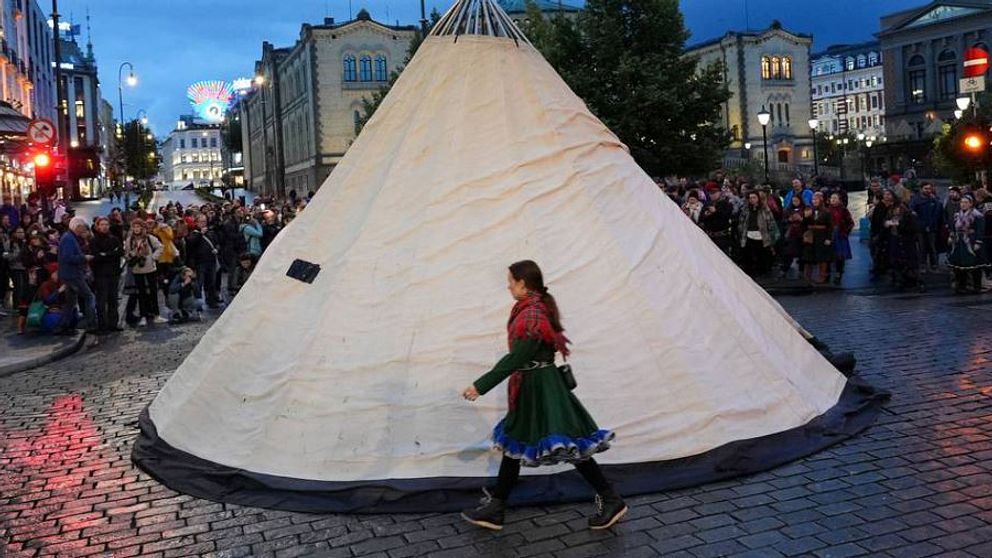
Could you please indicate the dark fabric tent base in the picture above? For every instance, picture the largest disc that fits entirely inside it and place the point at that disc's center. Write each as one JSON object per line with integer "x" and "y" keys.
{"x": 857, "y": 408}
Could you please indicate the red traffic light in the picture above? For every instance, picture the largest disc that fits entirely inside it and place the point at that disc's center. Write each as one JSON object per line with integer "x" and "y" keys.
{"x": 973, "y": 142}
{"x": 42, "y": 160}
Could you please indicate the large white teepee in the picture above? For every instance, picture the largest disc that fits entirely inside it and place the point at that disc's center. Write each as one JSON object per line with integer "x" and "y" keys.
{"x": 344, "y": 394}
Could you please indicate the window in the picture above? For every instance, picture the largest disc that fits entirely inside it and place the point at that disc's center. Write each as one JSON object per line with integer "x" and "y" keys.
{"x": 380, "y": 68}
{"x": 365, "y": 68}
{"x": 776, "y": 67}
{"x": 916, "y": 80}
{"x": 787, "y": 68}
{"x": 849, "y": 63}
{"x": 947, "y": 75}
{"x": 766, "y": 68}
{"x": 213, "y": 142}
{"x": 862, "y": 60}
{"x": 874, "y": 101}
{"x": 788, "y": 121}
{"x": 872, "y": 58}
{"x": 192, "y": 142}
{"x": 779, "y": 106}
{"x": 350, "y": 73}
{"x": 182, "y": 143}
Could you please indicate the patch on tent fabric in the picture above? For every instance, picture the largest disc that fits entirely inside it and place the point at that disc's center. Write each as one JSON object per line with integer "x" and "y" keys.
{"x": 303, "y": 270}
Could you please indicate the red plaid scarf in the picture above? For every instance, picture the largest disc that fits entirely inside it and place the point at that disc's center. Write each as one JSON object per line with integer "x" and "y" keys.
{"x": 529, "y": 320}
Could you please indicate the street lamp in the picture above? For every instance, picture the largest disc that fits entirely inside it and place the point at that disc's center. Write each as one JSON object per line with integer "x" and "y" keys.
{"x": 141, "y": 116}
{"x": 764, "y": 117}
{"x": 813, "y": 125}
{"x": 958, "y": 114}
{"x": 131, "y": 81}
{"x": 963, "y": 103}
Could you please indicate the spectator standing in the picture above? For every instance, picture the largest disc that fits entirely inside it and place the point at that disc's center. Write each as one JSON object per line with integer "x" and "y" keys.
{"x": 792, "y": 246}
{"x": 818, "y": 240}
{"x": 107, "y": 250}
{"x": 929, "y": 218}
{"x": 15, "y": 253}
{"x": 72, "y": 272}
{"x": 798, "y": 189}
{"x": 141, "y": 251}
{"x": 967, "y": 256}
{"x": 758, "y": 235}
{"x": 201, "y": 248}
{"x": 716, "y": 219}
{"x": 843, "y": 224}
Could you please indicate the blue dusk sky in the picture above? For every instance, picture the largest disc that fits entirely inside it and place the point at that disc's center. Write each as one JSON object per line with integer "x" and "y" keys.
{"x": 173, "y": 43}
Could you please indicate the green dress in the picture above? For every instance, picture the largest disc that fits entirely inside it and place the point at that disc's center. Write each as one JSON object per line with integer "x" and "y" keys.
{"x": 546, "y": 424}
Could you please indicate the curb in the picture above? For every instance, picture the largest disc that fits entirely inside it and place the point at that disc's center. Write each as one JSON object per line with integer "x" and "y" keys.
{"x": 28, "y": 364}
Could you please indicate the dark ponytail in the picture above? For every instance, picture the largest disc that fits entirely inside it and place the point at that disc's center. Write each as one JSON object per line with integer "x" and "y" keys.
{"x": 529, "y": 272}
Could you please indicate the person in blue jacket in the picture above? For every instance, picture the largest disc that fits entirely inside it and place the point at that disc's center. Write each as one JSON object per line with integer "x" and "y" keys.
{"x": 930, "y": 218}
{"x": 72, "y": 272}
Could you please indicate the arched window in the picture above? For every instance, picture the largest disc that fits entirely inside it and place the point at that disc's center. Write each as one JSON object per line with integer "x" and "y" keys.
{"x": 787, "y": 67}
{"x": 766, "y": 68}
{"x": 916, "y": 77}
{"x": 776, "y": 67}
{"x": 380, "y": 68}
{"x": 872, "y": 58}
{"x": 365, "y": 68}
{"x": 947, "y": 75}
{"x": 350, "y": 73}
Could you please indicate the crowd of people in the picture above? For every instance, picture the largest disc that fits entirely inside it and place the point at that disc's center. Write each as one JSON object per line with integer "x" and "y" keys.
{"x": 60, "y": 272}
{"x": 804, "y": 231}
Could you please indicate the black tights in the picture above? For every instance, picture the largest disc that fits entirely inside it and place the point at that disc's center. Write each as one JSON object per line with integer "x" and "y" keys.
{"x": 509, "y": 470}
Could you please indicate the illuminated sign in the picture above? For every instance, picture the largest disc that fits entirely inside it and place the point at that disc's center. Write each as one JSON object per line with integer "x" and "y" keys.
{"x": 241, "y": 86}
{"x": 210, "y": 99}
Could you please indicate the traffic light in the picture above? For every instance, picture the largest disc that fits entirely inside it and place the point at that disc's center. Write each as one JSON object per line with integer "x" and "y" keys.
{"x": 44, "y": 170}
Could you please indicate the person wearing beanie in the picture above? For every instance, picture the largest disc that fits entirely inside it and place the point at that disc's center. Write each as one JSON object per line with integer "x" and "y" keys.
{"x": 72, "y": 272}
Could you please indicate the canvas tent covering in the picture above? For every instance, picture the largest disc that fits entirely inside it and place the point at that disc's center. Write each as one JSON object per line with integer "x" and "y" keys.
{"x": 343, "y": 394}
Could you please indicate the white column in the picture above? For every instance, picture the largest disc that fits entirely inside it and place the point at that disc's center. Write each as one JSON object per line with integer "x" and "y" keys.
{"x": 89, "y": 110}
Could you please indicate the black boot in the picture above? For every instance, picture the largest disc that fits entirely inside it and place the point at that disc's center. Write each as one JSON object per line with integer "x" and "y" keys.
{"x": 489, "y": 514}
{"x": 610, "y": 507}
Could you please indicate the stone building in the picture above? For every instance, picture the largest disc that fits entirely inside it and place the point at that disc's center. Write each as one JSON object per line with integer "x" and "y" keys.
{"x": 303, "y": 114}
{"x": 848, "y": 90}
{"x": 767, "y": 70}
{"x": 923, "y": 50}
{"x": 517, "y": 9}
{"x": 193, "y": 153}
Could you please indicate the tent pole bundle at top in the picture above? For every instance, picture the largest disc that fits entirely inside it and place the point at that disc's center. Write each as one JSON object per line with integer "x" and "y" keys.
{"x": 479, "y": 156}
{"x": 477, "y": 17}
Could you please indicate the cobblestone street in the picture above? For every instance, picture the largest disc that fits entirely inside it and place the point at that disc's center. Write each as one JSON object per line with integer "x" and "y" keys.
{"x": 917, "y": 483}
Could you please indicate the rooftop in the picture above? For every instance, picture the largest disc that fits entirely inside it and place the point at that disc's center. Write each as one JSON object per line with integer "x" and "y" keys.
{"x": 775, "y": 26}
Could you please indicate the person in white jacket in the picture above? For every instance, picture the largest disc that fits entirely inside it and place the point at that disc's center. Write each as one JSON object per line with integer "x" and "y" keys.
{"x": 141, "y": 251}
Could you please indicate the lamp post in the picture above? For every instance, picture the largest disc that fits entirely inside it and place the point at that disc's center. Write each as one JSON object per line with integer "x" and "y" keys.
{"x": 813, "y": 124}
{"x": 142, "y": 116}
{"x": 747, "y": 150}
{"x": 131, "y": 81}
{"x": 764, "y": 117}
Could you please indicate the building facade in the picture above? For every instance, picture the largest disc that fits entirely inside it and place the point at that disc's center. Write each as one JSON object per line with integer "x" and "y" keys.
{"x": 849, "y": 90}
{"x": 193, "y": 154}
{"x": 84, "y": 136}
{"x": 765, "y": 70}
{"x": 923, "y": 50}
{"x": 517, "y": 9}
{"x": 304, "y": 112}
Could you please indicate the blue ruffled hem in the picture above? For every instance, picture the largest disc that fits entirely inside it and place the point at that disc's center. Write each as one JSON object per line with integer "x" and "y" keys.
{"x": 552, "y": 449}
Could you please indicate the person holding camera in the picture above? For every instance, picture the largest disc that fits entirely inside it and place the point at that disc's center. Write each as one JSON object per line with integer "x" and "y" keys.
{"x": 182, "y": 297}
{"x": 141, "y": 251}
{"x": 546, "y": 424}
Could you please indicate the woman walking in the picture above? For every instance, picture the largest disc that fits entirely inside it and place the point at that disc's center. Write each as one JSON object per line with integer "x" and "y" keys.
{"x": 546, "y": 424}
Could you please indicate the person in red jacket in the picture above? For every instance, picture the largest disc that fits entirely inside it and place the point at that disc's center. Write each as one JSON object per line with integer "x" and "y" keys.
{"x": 843, "y": 225}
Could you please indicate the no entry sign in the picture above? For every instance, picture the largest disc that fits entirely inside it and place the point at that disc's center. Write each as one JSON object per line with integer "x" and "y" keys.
{"x": 976, "y": 62}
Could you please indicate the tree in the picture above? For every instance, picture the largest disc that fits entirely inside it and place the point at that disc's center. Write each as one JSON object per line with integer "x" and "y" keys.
{"x": 952, "y": 157}
{"x": 626, "y": 60}
{"x": 371, "y": 104}
{"x": 140, "y": 152}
